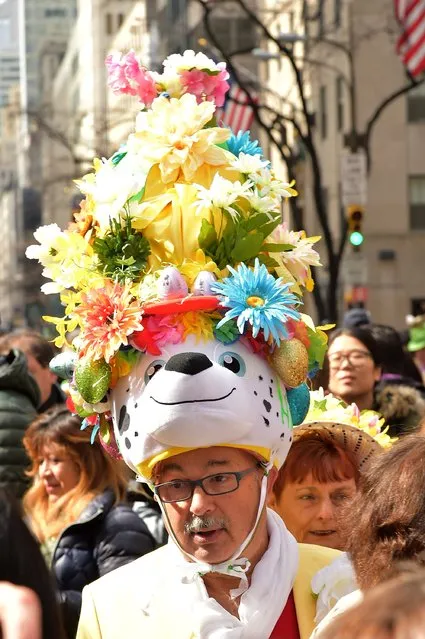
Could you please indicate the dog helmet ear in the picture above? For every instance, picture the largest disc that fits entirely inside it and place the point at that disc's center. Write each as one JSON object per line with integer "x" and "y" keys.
{"x": 299, "y": 401}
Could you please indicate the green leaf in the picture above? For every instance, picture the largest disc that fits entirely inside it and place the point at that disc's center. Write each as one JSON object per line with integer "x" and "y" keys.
{"x": 268, "y": 228}
{"x": 117, "y": 157}
{"x": 137, "y": 196}
{"x": 256, "y": 221}
{"x": 247, "y": 247}
{"x": 277, "y": 248}
{"x": 207, "y": 237}
{"x": 268, "y": 261}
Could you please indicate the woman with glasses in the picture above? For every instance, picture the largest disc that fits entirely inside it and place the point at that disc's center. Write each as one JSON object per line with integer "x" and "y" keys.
{"x": 75, "y": 508}
{"x": 354, "y": 366}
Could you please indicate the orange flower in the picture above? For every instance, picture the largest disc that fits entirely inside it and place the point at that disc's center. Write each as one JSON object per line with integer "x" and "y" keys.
{"x": 107, "y": 316}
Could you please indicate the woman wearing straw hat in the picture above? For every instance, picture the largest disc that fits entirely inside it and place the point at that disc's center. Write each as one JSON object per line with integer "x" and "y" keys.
{"x": 323, "y": 467}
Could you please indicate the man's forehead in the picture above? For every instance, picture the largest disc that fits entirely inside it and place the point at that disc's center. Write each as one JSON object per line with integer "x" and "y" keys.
{"x": 215, "y": 457}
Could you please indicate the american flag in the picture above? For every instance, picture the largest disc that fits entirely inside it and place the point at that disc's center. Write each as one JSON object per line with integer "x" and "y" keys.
{"x": 411, "y": 44}
{"x": 237, "y": 113}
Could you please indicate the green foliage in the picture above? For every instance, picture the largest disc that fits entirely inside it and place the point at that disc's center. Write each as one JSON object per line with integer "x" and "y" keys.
{"x": 122, "y": 252}
{"x": 228, "y": 333}
{"x": 242, "y": 240}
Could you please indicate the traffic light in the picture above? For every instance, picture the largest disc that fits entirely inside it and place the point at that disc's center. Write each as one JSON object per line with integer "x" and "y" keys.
{"x": 355, "y": 219}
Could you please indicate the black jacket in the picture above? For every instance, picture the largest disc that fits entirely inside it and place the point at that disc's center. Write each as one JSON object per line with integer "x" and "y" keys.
{"x": 19, "y": 398}
{"x": 104, "y": 537}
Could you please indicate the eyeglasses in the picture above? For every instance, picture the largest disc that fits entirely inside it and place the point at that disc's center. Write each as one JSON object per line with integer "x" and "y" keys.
{"x": 219, "y": 484}
{"x": 354, "y": 358}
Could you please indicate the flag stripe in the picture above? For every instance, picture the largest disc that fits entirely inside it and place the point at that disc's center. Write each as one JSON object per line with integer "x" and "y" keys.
{"x": 237, "y": 112}
{"x": 411, "y": 43}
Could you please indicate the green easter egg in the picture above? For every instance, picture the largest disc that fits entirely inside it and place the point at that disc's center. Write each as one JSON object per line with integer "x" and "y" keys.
{"x": 92, "y": 379}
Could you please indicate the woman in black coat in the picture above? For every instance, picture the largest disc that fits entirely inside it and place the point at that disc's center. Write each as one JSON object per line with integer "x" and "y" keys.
{"x": 76, "y": 510}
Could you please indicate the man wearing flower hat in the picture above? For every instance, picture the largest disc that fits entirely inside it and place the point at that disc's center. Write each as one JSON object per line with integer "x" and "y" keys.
{"x": 191, "y": 359}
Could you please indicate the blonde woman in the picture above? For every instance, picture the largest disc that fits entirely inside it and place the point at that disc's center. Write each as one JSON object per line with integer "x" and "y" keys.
{"x": 75, "y": 507}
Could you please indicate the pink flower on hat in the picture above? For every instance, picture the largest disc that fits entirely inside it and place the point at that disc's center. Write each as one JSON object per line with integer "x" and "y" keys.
{"x": 126, "y": 75}
{"x": 206, "y": 86}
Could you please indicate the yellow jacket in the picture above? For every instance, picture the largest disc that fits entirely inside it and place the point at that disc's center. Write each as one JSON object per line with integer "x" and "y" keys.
{"x": 114, "y": 606}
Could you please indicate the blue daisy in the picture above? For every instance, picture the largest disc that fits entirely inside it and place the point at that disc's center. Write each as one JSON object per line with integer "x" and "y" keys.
{"x": 256, "y": 297}
{"x": 242, "y": 143}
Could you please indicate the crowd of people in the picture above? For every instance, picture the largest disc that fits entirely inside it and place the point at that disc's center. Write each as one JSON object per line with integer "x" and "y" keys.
{"x": 82, "y": 514}
{"x": 282, "y": 466}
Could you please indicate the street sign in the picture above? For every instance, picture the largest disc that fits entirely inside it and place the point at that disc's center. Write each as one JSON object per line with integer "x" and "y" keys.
{"x": 354, "y": 269}
{"x": 353, "y": 178}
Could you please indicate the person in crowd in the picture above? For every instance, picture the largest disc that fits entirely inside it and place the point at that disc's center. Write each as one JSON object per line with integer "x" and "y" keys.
{"x": 75, "y": 507}
{"x": 355, "y": 317}
{"x": 399, "y": 393}
{"x": 201, "y": 376}
{"x": 384, "y": 523}
{"x": 28, "y": 605}
{"x": 143, "y": 503}
{"x": 354, "y": 361}
{"x": 20, "y": 612}
{"x": 416, "y": 343}
{"x": 354, "y": 366}
{"x": 322, "y": 471}
{"x": 19, "y": 398}
{"x": 39, "y": 353}
{"x": 392, "y": 610}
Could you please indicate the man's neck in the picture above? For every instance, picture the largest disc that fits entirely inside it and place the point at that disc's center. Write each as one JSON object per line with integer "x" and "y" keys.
{"x": 219, "y": 586}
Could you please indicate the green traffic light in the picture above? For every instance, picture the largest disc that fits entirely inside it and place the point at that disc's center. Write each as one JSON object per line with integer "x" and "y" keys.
{"x": 356, "y": 238}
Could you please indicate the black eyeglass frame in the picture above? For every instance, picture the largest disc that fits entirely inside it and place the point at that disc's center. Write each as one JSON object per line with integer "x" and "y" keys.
{"x": 192, "y": 483}
{"x": 347, "y": 355}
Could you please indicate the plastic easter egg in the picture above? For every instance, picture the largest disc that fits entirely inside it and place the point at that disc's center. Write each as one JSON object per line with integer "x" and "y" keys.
{"x": 299, "y": 402}
{"x": 92, "y": 379}
{"x": 63, "y": 364}
{"x": 203, "y": 282}
{"x": 171, "y": 284}
{"x": 290, "y": 361}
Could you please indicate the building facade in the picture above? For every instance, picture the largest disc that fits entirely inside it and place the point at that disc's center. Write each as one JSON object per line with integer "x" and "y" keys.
{"x": 349, "y": 68}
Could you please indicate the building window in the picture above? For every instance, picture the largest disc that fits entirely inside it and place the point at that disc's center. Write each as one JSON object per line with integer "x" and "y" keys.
{"x": 417, "y": 201}
{"x": 337, "y": 13}
{"x": 109, "y": 24}
{"x": 340, "y": 103}
{"x": 323, "y": 113}
{"x": 416, "y": 103}
{"x": 120, "y": 19}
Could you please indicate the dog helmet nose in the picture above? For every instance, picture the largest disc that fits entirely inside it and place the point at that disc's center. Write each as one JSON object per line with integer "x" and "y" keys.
{"x": 188, "y": 363}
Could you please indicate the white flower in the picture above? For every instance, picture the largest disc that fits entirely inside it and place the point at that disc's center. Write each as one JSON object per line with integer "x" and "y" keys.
{"x": 191, "y": 60}
{"x": 46, "y": 236}
{"x": 331, "y": 583}
{"x": 222, "y": 194}
{"x": 248, "y": 164}
{"x": 263, "y": 204}
{"x": 111, "y": 186}
{"x": 298, "y": 260}
{"x": 268, "y": 184}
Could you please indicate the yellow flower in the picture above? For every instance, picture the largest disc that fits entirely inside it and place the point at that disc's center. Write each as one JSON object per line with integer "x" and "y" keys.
{"x": 194, "y": 323}
{"x": 172, "y": 135}
{"x": 191, "y": 268}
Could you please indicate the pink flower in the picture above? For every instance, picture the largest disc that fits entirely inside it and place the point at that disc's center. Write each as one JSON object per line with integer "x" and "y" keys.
{"x": 125, "y": 75}
{"x": 205, "y": 86}
{"x": 166, "y": 331}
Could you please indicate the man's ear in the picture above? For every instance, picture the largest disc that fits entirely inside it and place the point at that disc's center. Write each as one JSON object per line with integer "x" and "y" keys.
{"x": 271, "y": 479}
{"x": 378, "y": 373}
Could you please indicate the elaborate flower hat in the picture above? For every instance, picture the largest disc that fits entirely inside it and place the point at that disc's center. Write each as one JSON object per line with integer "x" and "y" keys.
{"x": 362, "y": 432}
{"x": 416, "y": 333}
{"x": 184, "y": 285}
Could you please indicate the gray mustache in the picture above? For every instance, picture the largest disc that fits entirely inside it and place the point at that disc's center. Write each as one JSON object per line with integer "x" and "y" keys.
{"x": 198, "y": 524}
